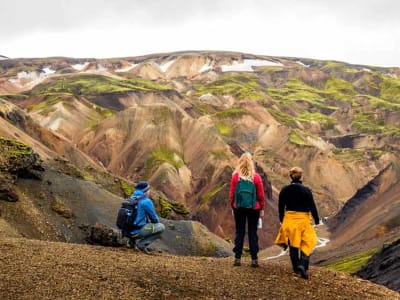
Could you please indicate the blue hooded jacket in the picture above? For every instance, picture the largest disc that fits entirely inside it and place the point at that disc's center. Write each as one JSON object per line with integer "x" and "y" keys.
{"x": 146, "y": 212}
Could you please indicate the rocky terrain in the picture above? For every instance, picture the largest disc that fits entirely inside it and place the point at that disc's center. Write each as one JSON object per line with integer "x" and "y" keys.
{"x": 52, "y": 270}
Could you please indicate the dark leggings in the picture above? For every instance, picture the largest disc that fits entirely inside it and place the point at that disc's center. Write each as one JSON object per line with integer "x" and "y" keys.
{"x": 241, "y": 215}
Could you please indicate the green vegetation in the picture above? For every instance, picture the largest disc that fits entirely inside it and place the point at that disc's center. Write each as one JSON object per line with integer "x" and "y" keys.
{"x": 230, "y": 113}
{"x": 89, "y": 84}
{"x": 339, "y": 85}
{"x": 14, "y": 149}
{"x": 326, "y": 122}
{"x": 126, "y": 188}
{"x": 349, "y": 154}
{"x": 352, "y": 264}
{"x": 282, "y": 117}
{"x": 390, "y": 89}
{"x": 161, "y": 155}
{"x": 211, "y": 194}
{"x": 368, "y": 122}
{"x": 383, "y": 104}
{"x": 295, "y": 90}
{"x": 167, "y": 207}
{"x": 295, "y": 138}
{"x": 224, "y": 129}
{"x": 240, "y": 86}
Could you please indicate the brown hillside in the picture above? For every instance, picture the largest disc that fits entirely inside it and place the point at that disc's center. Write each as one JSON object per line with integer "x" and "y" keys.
{"x": 49, "y": 270}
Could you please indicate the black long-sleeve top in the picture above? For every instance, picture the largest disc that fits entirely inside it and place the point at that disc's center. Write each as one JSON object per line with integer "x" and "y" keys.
{"x": 297, "y": 197}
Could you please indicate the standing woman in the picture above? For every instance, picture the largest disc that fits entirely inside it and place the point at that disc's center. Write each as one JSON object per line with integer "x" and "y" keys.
{"x": 246, "y": 182}
{"x": 296, "y": 210}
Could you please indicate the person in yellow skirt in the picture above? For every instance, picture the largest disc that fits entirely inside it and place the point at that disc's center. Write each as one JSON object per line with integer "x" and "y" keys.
{"x": 296, "y": 211}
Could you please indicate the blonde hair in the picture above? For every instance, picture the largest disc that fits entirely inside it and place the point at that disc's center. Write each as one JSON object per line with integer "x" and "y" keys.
{"x": 245, "y": 167}
{"x": 295, "y": 173}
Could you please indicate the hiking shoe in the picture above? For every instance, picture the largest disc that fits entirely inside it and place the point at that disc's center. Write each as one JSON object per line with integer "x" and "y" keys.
{"x": 237, "y": 263}
{"x": 303, "y": 272}
{"x": 254, "y": 263}
{"x": 144, "y": 249}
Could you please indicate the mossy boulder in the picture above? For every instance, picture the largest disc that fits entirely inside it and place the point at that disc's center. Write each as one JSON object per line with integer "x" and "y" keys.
{"x": 19, "y": 159}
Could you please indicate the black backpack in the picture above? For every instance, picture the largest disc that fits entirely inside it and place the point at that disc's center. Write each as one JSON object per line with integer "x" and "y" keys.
{"x": 127, "y": 215}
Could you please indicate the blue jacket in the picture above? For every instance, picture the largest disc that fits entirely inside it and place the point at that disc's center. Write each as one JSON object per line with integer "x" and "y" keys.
{"x": 146, "y": 212}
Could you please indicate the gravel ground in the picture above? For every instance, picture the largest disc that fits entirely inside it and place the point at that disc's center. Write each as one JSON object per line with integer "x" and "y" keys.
{"x": 33, "y": 269}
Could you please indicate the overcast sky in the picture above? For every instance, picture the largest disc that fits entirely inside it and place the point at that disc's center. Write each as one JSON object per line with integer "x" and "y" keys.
{"x": 354, "y": 31}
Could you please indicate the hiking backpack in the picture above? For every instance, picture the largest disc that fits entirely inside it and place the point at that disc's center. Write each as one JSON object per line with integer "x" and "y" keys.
{"x": 245, "y": 194}
{"x": 127, "y": 215}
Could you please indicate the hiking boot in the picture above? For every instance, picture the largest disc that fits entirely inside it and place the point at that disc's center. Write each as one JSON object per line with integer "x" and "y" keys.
{"x": 237, "y": 263}
{"x": 254, "y": 263}
{"x": 143, "y": 248}
{"x": 303, "y": 272}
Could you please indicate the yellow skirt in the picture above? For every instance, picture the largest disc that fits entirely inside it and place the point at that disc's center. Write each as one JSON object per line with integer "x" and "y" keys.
{"x": 297, "y": 230}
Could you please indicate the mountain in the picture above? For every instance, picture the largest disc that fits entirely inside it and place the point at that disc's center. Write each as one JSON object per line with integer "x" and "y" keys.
{"x": 180, "y": 120}
{"x": 52, "y": 270}
{"x": 383, "y": 267}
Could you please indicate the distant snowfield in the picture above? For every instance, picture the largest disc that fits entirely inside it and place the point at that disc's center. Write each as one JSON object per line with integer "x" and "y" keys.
{"x": 248, "y": 64}
{"x": 80, "y": 67}
{"x": 205, "y": 68}
{"x": 164, "y": 67}
{"x": 34, "y": 78}
{"x": 127, "y": 69}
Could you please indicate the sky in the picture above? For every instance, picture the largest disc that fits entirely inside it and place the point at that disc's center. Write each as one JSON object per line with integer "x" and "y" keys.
{"x": 354, "y": 31}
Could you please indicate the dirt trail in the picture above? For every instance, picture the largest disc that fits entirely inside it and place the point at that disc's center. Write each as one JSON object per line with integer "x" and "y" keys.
{"x": 33, "y": 269}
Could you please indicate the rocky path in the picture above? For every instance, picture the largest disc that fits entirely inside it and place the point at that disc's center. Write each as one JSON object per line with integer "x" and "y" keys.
{"x": 32, "y": 269}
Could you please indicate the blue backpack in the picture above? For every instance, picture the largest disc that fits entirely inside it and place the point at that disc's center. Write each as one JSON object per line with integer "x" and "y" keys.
{"x": 245, "y": 194}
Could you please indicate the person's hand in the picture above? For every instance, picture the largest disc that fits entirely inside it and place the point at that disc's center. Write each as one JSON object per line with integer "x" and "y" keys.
{"x": 261, "y": 213}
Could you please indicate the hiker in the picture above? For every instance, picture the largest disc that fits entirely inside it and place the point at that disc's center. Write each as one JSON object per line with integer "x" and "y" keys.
{"x": 246, "y": 176}
{"x": 146, "y": 219}
{"x": 296, "y": 202}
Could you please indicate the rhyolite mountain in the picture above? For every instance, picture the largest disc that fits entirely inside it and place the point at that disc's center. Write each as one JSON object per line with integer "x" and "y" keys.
{"x": 180, "y": 120}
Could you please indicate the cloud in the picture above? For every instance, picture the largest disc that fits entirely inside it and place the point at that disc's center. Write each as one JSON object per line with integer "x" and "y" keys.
{"x": 354, "y": 31}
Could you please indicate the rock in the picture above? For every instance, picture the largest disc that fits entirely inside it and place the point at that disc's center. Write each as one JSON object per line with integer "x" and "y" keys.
{"x": 100, "y": 234}
{"x": 6, "y": 191}
{"x": 383, "y": 268}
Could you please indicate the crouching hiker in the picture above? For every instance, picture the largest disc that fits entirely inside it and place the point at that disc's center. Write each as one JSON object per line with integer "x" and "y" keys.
{"x": 145, "y": 227}
{"x": 296, "y": 202}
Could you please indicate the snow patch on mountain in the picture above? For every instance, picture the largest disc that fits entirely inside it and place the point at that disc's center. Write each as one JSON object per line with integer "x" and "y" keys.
{"x": 248, "y": 64}
{"x": 80, "y": 67}
{"x": 205, "y": 68}
{"x": 127, "y": 69}
{"x": 164, "y": 67}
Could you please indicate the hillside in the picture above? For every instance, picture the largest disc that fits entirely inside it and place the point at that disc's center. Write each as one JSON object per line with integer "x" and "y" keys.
{"x": 49, "y": 270}
{"x": 181, "y": 119}
{"x": 76, "y": 134}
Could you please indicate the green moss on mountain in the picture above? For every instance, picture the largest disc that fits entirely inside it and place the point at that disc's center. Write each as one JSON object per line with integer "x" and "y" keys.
{"x": 167, "y": 207}
{"x": 349, "y": 155}
{"x": 126, "y": 188}
{"x": 326, "y": 122}
{"x": 230, "y": 113}
{"x": 297, "y": 91}
{"x": 340, "y": 85}
{"x": 224, "y": 129}
{"x": 353, "y": 263}
{"x": 160, "y": 155}
{"x": 368, "y": 122}
{"x": 390, "y": 89}
{"x": 90, "y": 84}
{"x": 240, "y": 86}
{"x": 281, "y": 117}
{"x": 208, "y": 196}
{"x": 296, "y": 138}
